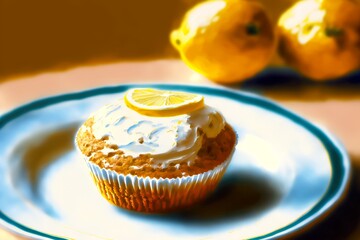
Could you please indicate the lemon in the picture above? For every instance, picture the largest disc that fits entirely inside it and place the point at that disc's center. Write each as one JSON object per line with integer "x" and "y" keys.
{"x": 226, "y": 41}
{"x": 321, "y": 38}
{"x": 161, "y": 103}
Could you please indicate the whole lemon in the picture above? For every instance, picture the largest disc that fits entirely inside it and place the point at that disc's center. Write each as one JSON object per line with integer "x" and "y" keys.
{"x": 226, "y": 41}
{"x": 321, "y": 38}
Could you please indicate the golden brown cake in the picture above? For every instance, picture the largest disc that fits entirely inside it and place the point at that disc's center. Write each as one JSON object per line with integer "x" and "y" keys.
{"x": 155, "y": 164}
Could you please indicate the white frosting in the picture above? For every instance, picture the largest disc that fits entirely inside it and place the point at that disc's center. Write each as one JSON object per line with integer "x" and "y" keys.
{"x": 164, "y": 139}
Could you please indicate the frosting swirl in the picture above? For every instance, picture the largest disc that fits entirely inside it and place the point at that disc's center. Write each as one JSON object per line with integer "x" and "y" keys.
{"x": 165, "y": 139}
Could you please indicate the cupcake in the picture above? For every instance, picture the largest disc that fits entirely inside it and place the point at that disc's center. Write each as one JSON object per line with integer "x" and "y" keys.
{"x": 155, "y": 150}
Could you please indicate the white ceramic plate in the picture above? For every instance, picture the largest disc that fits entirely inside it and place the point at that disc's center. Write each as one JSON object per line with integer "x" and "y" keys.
{"x": 285, "y": 173}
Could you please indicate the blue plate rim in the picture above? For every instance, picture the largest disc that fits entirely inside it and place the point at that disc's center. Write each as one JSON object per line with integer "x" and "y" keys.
{"x": 339, "y": 158}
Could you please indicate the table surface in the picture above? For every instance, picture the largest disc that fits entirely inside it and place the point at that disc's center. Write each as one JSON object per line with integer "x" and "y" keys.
{"x": 334, "y": 105}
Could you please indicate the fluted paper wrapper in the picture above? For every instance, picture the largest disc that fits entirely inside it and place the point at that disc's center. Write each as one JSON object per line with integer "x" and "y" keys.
{"x": 147, "y": 194}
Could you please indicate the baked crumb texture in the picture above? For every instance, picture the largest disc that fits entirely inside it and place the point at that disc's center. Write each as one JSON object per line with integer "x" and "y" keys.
{"x": 213, "y": 152}
{"x": 133, "y": 183}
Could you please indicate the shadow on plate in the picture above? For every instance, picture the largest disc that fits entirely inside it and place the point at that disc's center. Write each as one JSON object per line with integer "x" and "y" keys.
{"x": 35, "y": 154}
{"x": 239, "y": 195}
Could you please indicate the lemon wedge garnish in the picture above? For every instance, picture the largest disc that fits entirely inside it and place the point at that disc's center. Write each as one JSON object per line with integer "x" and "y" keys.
{"x": 161, "y": 103}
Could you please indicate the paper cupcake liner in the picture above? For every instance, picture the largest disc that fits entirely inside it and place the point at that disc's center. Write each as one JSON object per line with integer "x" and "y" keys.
{"x": 147, "y": 194}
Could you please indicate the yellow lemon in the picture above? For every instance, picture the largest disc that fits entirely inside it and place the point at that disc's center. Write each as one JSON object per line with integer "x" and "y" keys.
{"x": 226, "y": 41}
{"x": 321, "y": 38}
{"x": 161, "y": 103}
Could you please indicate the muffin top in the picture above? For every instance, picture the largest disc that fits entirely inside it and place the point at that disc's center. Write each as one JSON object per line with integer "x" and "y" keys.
{"x": 122, "y": 138}
{"x": 164, "y": 139}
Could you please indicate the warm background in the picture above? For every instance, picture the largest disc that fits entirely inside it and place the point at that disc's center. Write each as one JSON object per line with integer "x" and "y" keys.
{"x": 59, "y": 36}
{"x": 40, "y": 35}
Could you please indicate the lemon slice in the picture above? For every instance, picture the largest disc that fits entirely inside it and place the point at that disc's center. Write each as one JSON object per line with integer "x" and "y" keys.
{"x": 161, "y": 103}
